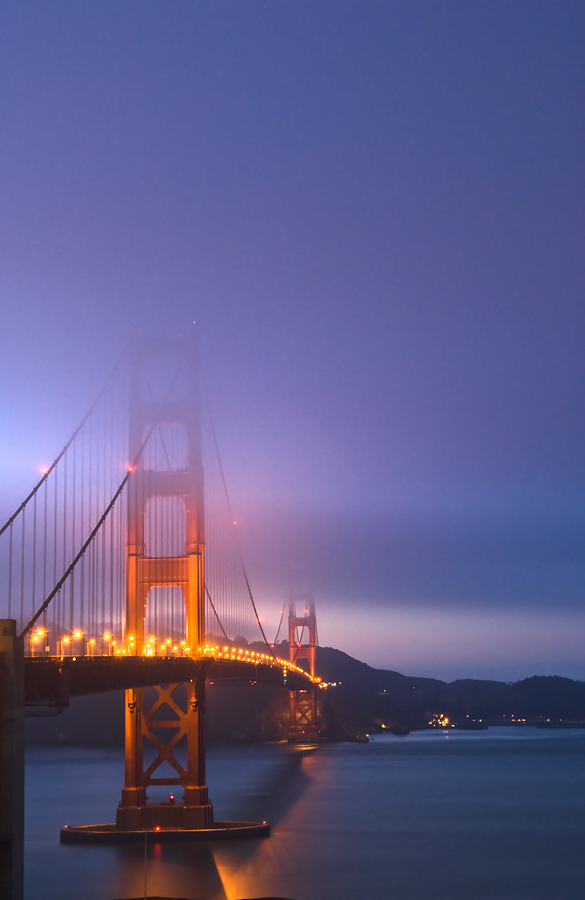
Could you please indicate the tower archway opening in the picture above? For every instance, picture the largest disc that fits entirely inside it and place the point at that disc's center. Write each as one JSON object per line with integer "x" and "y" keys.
{"x": 165, "y": 527}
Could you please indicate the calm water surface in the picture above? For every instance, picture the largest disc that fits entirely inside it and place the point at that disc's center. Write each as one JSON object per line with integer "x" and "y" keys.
{"x": 486, "y": 816}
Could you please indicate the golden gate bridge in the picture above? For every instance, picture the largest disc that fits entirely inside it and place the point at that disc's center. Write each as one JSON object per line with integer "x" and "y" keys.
{"x": 122, "y": 569}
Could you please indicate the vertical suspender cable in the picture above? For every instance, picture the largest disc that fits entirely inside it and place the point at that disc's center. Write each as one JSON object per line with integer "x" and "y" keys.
{"x": 34, "y": 555}
{"x": 10, "y": 572}
{"x": 56, "y": 611}
{"x": 73, "y": 521}
{"x": 45, "y": 493}
{"x": 22, "y": 553}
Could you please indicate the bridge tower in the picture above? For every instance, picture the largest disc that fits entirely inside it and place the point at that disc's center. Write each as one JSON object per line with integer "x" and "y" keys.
{"x": 303, "y": 704}
{"x": 179, "y": 568}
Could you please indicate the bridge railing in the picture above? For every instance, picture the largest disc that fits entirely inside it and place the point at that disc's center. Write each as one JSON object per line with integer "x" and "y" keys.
{"x": 77, "y": 646}
{"x": 251, "y": 656}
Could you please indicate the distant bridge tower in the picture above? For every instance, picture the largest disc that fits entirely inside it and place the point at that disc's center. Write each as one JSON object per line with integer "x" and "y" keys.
{"x": 172, "y": 562}
{"x": 303, "y": 704}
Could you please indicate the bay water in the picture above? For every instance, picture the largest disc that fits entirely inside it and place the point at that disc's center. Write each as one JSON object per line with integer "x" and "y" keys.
{"x": 488, "y": 815}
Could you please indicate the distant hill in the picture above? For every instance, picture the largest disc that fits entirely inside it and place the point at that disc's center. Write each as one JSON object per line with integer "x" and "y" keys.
{"x": 368, "y": 698}
{"x": 415, "y": 701}
{"x": 363, "y": 698}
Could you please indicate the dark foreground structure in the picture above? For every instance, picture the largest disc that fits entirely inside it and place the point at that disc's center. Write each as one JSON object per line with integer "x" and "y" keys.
{"x": 11, "y": 762}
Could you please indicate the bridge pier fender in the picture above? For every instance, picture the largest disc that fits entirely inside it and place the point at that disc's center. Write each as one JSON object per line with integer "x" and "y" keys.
{"x": 11, "y": 762}
{"x": 191, "y": 820}
{"x": 164, "y": 816}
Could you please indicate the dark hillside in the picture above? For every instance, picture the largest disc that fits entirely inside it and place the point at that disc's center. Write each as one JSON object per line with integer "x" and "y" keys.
{"x": 363, "y": 698}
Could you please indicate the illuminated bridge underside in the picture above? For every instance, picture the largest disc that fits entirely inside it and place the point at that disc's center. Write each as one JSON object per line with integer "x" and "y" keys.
{"x": 50, "y": 681}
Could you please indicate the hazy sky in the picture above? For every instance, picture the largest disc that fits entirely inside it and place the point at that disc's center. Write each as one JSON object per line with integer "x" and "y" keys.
{"x": 374, "y": 212}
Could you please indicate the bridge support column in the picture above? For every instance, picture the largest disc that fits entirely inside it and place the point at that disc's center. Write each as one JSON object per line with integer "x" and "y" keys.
{"x": 133, "y": 792}
{"x": 145, "y": 723}
{"x": 165, "y": 543}
{"x": 176, "y": 715}
{"x": 11, "y": 762}
{"x": 303, "y": 704}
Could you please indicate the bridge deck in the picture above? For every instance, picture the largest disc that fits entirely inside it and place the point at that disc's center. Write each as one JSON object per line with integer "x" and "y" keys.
{"x": 50, "y": 681}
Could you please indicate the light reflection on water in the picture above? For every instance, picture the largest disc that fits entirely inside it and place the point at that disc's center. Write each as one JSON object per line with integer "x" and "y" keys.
{"x": 479, "y": 815}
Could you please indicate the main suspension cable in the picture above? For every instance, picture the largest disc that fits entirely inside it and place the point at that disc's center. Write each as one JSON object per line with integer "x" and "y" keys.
{"x": 215, "y": 612}
{"x": 92, "y": 535}
{"x": 55, "y": 462}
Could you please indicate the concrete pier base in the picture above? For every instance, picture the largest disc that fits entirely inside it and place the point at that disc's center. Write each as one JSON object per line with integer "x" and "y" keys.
{"x": 306, "y": 736}
{"x": 165, "y": 815}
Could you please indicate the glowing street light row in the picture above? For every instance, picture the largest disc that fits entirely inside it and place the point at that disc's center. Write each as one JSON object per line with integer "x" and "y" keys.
{"x": 152, "y": 648}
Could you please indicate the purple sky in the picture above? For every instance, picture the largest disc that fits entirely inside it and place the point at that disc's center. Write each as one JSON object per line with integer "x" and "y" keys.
{"x": 374, "y": 211}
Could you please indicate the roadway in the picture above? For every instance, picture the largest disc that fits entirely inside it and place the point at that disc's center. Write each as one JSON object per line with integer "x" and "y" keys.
{"x": 51, "y": 681}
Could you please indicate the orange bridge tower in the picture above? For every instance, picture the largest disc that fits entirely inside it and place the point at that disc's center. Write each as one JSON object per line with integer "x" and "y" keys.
{"x": 162, "y": 557}
{"x": 303, "y": 704}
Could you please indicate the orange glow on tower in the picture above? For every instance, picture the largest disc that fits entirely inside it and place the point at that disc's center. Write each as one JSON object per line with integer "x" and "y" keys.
{"x": 147, "y": 572}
